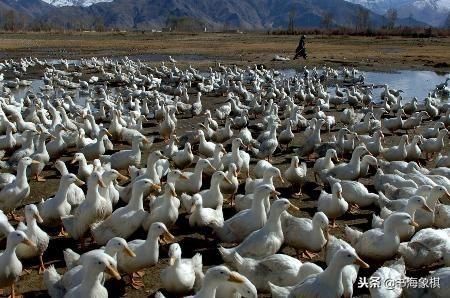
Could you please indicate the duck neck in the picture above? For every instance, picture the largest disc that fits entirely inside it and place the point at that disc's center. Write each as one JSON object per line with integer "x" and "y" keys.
{"x": 41, "y": 144}
{"x": 411, "y": 210}
{"x": 432, "y": 200}
{"x": 92, "y": 192}
{"x": 391, "y": 231}
{"x": 215, "y": 186}
{"x": 151, "y": 168}
{"x": 268, "y": 179}
{"x": 31, "y": 223}
{"x": 235, "y": 152}
{"x": 136, "y": 202}
{"x": 110, "y": 251}
{"x": 21, "y": 174}
{"x": 332, "y": 275}
{"x": 91, "y": 279}
{"x": 135, "y": 147}
{"x": 152, "y": 244}
{"x": 258, "y": 207}
{"x": 29, "y": 143}
{"x": 317, "y": 233}
{"x": 209, "y": 288}
{"x": 61, "y": 194}
{"x": 83, "y": 163}
{"x": 197, "y": 175}
{"x": 355, "y": 160}
{"x": 273, "y": 222}
{"x": 10, "y": 250}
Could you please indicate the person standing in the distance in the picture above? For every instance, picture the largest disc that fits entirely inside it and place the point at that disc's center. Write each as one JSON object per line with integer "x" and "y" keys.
{"x": 301, "y": 49}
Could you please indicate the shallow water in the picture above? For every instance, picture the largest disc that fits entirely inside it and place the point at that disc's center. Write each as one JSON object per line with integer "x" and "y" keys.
{"x": 414, "y": 83}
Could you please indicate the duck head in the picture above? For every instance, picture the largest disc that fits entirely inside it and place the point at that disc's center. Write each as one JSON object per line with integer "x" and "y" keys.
{"x": 321, "y": 220}
{"x": 160, "y": 230}
{"x": 102, "y": 263}
{"x": 31, "y": 212}
{"x": 417, "y": 202}
{"x": 349, "y": 256}
{"x": 117, "y": 245}
{"x": 16, "y": 237}
{"x": 174, "y": 253}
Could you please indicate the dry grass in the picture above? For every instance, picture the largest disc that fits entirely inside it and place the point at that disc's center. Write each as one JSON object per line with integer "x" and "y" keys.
{"x": 385, "y": 53}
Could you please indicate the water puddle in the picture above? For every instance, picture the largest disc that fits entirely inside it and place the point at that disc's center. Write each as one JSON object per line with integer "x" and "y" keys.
{"x": 414, "y": 83}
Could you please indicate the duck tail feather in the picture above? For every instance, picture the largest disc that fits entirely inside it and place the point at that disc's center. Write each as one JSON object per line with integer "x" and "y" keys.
{"x": 352, "y": 235}
{"x": 226, "y": 254}
{"x": 52, "y": 281}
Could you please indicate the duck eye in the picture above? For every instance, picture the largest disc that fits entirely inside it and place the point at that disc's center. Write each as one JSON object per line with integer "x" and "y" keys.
{"x": 349, "y": 256}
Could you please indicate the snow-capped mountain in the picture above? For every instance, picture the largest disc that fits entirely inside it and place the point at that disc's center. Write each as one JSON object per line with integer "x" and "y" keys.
{"x": 432, "y": 12}
{"x": 83, "y": 3}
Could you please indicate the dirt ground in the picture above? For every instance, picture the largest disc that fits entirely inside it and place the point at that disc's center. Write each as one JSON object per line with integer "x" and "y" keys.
{"x": 226, "y": 46}
{"x": 202, "y": 49}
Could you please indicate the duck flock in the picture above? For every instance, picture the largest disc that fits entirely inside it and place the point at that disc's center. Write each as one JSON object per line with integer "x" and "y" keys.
{"x": 149, "y": 156}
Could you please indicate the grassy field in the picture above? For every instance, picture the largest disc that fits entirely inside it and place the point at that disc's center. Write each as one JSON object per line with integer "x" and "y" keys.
{"x": 369, "y": 53}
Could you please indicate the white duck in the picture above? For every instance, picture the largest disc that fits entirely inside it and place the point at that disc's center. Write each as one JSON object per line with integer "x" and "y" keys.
{"x": 279, "y": 269}
{"x": 5, "y": 226}
{"x": 165, "y": 210}
{"x": 94, "y": 150}
{"x": 296, "y": 175}
{"x": 12, "y": 195}
{"x": 75, "y": 194}
{"x": 426, "y": 247}
{"x": 124, "y": 221}
{"x": 217, "y": 276}
{"x": 324, "y": 164}
{"x": 351, "y": 170}
{"x": 325, "y": 284}
{"x": 91, "y": 284}
{"x": 238, "y": 227}
{"x": 183, "y": 158}
{"x": 84, "y": 169}
{"x": 397, "y": 152}
{"x": 303, "y": 233}
{"x": 380, "y": 244}
{"x": 10, "y": 266}
{"x": 146, "y": 251}
{"x": 202, "y": 216}
{"x": 265, "y": 241}
{"x": 333, "y": 205}
{"x": 93, "y": 209}
{"x": 269, "y": 174}
{"x": 53, "y": 209}
{"x": 193, "y": 183}
{"x": 213, "y": 196}
{"x": 434, "y": 145}
{"x": 395, "y": 271}
{"x": 180, "y": 276}
{"x": 355, "y": 192}
{"x": 35, "y": 234}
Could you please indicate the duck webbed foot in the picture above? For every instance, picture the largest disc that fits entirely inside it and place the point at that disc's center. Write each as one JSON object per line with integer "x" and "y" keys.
{"x": 309, "y": 255}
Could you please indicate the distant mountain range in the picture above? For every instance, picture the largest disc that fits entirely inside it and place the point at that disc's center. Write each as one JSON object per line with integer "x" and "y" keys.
{"x": 83, "y": 3}
{"x": 432, "y": 12}
{"x": 213, "y": 14}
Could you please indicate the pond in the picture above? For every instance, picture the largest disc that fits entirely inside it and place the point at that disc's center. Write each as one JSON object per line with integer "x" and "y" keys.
{"x": 414, "y": 83}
